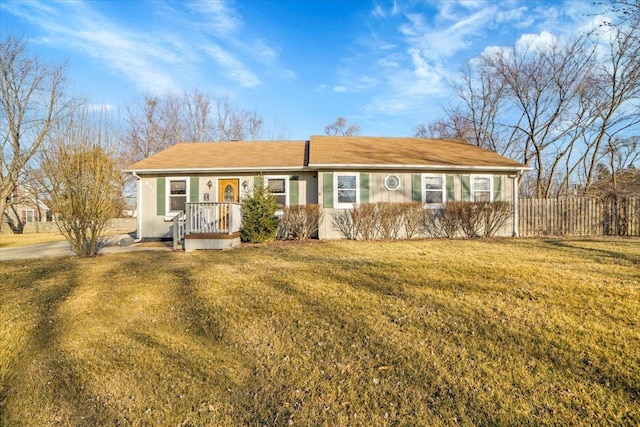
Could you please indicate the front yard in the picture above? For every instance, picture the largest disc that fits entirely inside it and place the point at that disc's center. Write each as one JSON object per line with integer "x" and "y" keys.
{"x": 433, "y": 332}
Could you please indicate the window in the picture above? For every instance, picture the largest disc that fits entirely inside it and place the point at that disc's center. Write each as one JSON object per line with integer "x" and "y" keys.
{"x": 434, "y": 191}
{"x": 481, "y": 188}
{"x": 28, "y": 215}
{"x": 347, "y": 190}
{"x": 279, "y": 187}
{"x": 177, "y": 194}
{"x": 392, "y": 182}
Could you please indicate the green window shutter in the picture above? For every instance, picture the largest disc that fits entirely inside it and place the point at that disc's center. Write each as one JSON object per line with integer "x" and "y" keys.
{"x": 194, "y": 189}
{"x": 364, "y": 188}
{"x": 257, "y": 179}
{"x": 416, "y": 188}
{"x": 294, "y": 191}
{"x": 451, "y": 194}
{"x": 327, "y": 190}
{"x": 466, "y": 187}
{"x": 161, "y": 193}
{"x": 497, "y": 188}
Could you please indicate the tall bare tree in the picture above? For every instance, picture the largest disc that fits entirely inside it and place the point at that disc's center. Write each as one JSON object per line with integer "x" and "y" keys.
{"x": 339, "y": 127}
{"x": 553, "y": 106}
{"x": 83, "y": 179}
{"x": 157, "y": 122}
{"x": 31, "y": 105}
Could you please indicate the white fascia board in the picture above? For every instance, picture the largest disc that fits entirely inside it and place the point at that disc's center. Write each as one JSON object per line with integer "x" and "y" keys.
{"x": 217, "y": 170}
{"x": 319, "y": 166}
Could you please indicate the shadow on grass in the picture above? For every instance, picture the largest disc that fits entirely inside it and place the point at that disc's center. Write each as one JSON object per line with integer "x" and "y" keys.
{"x": 441, "y": 393}
{"x": 54, "y": 378}
{"x": 597, "y": 254}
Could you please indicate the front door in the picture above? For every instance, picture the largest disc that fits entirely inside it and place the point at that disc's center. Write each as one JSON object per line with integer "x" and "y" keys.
{"x": 229, "y": 190}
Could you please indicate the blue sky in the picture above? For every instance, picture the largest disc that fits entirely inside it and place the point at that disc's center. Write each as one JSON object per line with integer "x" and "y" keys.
{"x": 383, "y": 65}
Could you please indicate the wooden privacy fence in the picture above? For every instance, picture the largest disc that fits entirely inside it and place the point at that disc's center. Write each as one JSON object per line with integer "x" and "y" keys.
{"x": 580, "y": 216}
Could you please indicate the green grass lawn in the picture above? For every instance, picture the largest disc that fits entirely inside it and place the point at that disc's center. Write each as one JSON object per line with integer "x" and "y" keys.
{"x": 434, "y": 332}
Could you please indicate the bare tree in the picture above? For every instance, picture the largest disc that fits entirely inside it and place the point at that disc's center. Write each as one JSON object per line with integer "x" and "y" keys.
{"x": 31, "y": 105}
{"x": 553, "y": 106}
{"x": 150, "y": 127}
{"x": 157, "y": 122}
{"x": 614, "y": 103}
{"x": 339, "y": 127}
{"x": 84, "y": 180}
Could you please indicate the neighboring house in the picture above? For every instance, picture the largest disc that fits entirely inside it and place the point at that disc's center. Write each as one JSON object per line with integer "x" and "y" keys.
{"x": 336, "y": 172}
{"x": 24, "y": 208}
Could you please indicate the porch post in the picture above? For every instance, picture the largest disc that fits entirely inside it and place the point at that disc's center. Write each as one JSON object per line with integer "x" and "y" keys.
{"x": 232, "y": 219}
{"x": 187, "y": 219}
{"x": 515, "y": 205}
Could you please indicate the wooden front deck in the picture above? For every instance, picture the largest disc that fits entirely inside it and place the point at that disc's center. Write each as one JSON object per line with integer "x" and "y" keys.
{"x": 207, "y": 225}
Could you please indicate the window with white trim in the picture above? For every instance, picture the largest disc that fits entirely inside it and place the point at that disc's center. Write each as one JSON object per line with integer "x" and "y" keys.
{"x": 177, "y": 191}
{"x": 279, "y": 187}
{"x": 392, "y": 182}
{"x": 481, "y": 188}
{"x": 434, "y": 190}
{"x": 29, "y": 215}
{"x": 346, "y": 190}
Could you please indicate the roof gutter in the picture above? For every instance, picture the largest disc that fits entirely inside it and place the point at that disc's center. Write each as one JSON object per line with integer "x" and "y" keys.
{"x": 319, "y": 166}
{"x": 138, "y": 238}
{"x": 260, "y": 169}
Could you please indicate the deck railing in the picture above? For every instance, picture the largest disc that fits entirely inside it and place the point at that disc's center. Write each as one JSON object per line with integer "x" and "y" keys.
{"x": 212, "y": 217}
{"x": 207, "y": 217}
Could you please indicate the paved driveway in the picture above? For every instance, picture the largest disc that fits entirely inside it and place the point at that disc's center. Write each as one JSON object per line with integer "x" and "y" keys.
{"x": 61, "y": 249}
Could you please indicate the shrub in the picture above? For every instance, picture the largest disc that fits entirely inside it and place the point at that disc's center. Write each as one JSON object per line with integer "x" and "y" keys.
{"x": 471, "y": 217}
{"x": 358, "y": 223}
{"x": 300, "y": 222}
{"x": 413, "y": 219}
{"x": 365, "y": 220}
{"x": 343, "y": 222}
{"x": 432, "y": 221}
{"x": 450, "y": 219}
{"x": 494, "y": 216}
{"x": 390, "y": 218}
{"x": 259, "y": 222}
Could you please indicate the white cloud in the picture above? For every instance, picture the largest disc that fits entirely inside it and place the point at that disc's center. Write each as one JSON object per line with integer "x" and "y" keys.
{"x": 219, "y": 18}
{"x": 378, "y": 12}
{"x": 98, "y": 108}
{"x": 536, "y": 42}
{"x": 234, "y": 67}
{"x": 339, "y": 89}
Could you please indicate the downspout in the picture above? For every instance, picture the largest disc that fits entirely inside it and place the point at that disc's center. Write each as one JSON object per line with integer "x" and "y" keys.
{"x": 138, "y": 238}
{"x": 516, "y": 184}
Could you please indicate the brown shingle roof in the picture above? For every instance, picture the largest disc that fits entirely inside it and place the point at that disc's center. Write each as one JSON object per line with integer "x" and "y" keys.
{"x": 384, "y": 151}
{"x": 226, "y": 155}
{"x": 327, "y": 152}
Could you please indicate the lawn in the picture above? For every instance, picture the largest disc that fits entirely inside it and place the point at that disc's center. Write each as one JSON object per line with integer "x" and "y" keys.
{"x": 434, "y": 332}
{"x": 10, "y": 240}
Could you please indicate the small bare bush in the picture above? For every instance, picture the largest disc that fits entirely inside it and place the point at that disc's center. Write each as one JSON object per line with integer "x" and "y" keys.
{"x": 365, "y": 220}
{"x": 494, "y": 216}
{"x": 390, "y": 218}
{"x": 413, "y": 218}
{"x": 344, "y": 223}
{"x": 471, "y": 218}
{"x": 450, "y": 219}
{"x": 432, "y": 221}
{"x": 300, "y": 222}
